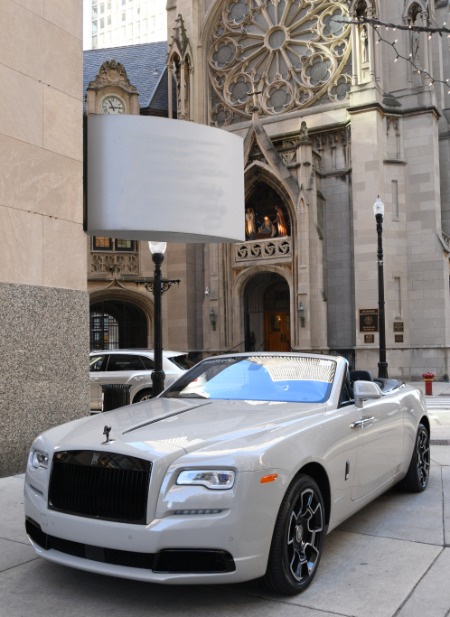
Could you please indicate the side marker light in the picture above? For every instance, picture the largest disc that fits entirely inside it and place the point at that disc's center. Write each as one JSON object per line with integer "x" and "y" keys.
{"x": 270, "y": 478}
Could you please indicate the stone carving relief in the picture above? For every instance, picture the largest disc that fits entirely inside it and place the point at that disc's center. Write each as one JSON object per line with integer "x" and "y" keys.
{"x": 112, "y": 73}
{"x": 103, "y": 263}
{"x": 273, "y": 56}
{"x": 263, "y": 249}
{"x": 331, "y": 151}
{"x": 288, "y": 151}
{"x": 393, "y": 136}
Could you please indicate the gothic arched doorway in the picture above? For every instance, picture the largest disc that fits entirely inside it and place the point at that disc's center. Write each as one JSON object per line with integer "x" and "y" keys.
{"x": 116, "y": 324}
{"x": 267, "y": 313}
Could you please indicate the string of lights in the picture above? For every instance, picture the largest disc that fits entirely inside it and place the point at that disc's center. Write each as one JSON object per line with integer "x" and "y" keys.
{"x": 377, "y": 26}
{"x": 376, "y": 23}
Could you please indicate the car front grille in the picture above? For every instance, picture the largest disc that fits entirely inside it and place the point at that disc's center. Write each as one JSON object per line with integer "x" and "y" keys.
{"x": 101, "y": 485}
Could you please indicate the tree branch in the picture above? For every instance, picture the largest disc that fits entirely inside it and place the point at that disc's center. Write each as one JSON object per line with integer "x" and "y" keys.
{"x": 376, "y": 23}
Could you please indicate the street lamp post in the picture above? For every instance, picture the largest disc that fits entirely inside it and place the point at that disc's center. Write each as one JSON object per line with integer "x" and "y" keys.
{"x": 157, "y": 250}
{"x": 378, "y": 210}
{"x": 157, "y": 287}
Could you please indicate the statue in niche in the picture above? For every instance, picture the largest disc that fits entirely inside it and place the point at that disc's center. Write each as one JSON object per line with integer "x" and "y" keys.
{"x": 267, "y": 228}
{"x": 281, "y": 222}
{"x": 363, "y": 35}
{"x": 250, "y": 224}
{"x": 415, "y": 48}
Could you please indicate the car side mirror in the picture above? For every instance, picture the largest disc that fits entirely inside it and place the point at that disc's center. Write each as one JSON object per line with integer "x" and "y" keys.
{"x": 366, "y": 391}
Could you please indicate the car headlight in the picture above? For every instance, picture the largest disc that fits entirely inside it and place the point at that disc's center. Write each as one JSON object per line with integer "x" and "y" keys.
{"x": 216, "y": 479}
{"x": 38, "y": 458}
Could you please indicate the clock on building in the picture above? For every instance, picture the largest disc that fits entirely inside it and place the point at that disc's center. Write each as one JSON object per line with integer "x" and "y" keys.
{"x": 112, "y": 104}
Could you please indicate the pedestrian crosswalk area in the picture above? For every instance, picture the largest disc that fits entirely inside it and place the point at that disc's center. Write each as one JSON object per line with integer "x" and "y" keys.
{"x": 437, "y": 402}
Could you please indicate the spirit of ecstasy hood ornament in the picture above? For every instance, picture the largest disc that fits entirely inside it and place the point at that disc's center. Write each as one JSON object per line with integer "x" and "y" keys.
{"x": 106, "y": 432}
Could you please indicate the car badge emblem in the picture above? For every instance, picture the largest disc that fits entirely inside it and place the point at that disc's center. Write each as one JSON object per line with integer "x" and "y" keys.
{"x": 106, "y": 432}
{"x": 94, "y": 460}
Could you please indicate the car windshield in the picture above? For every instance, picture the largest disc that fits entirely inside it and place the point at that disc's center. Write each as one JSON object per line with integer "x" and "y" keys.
{"x": 299, "y": 379}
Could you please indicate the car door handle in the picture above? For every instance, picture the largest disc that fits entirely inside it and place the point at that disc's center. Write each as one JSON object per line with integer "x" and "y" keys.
{"x": 363, "y": 422}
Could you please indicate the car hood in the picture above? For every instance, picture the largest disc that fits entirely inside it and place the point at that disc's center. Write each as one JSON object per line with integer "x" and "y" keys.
{"x": 171, "y": 427}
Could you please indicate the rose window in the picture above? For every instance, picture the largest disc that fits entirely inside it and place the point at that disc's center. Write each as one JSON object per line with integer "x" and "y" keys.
{"x": 274, "y": 56}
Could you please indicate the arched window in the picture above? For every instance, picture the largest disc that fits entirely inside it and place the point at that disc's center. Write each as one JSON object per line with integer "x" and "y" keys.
{"x": 362, "y": 53}
{"x": 180, "y": 73}
{"x": 416, "y": 44}
{"x": 266, "y": 216}
{"x": 116, "y": 324}
{"x": 104, "y": 331}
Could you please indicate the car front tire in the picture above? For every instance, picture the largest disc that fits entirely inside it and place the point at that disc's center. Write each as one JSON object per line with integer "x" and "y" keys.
{"x": 145, "y": 395}
{"x": 416, "y": 479}
{"x": 298, "y": 538}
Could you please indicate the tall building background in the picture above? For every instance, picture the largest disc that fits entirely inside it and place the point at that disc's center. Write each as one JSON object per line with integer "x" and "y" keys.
{"x": 113, "y": 23}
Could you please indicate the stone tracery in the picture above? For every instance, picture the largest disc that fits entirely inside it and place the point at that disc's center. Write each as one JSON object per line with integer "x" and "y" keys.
{"x": 274, "y": 56}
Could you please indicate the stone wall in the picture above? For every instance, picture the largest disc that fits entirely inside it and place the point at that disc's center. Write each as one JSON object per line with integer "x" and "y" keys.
{"x": 44, "y": 365}
{"x": 43, "y": 299}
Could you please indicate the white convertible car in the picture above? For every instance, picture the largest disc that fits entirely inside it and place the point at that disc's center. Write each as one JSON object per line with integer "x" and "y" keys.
{"x": 235, "y": 472}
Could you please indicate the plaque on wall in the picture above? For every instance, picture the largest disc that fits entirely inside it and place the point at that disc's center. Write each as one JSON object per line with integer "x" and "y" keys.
{"x": 399, "y": 338}
{"x": 368, "y": 320}
{"x": 369, "y": 338}
{"x": 398, "y": 326}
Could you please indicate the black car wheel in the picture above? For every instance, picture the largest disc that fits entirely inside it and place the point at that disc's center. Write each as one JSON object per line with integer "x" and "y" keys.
{"x": 416, "y": 479}
{"x": 298, "y": 538}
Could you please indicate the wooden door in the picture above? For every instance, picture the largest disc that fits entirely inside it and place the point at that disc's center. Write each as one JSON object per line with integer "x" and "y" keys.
{"x": 277, "y": 329}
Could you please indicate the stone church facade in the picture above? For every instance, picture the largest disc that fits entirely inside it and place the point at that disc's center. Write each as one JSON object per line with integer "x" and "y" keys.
{"x": 332, "y": 114}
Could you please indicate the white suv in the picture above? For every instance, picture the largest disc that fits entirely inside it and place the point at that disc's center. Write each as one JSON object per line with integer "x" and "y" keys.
{"x": 131, "y": 367}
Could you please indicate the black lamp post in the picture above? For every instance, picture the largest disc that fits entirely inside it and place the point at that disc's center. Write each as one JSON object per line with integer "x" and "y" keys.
{"x": 378, "y": 210}
{"x": 157, "y": 286}
{"x": 157, "y": 250}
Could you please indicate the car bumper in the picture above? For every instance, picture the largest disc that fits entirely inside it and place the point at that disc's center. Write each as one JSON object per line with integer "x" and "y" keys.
{"x": 229, "y": 546}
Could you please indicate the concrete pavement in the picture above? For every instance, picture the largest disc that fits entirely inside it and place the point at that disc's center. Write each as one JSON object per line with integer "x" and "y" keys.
{"x": 392, "y": 559}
